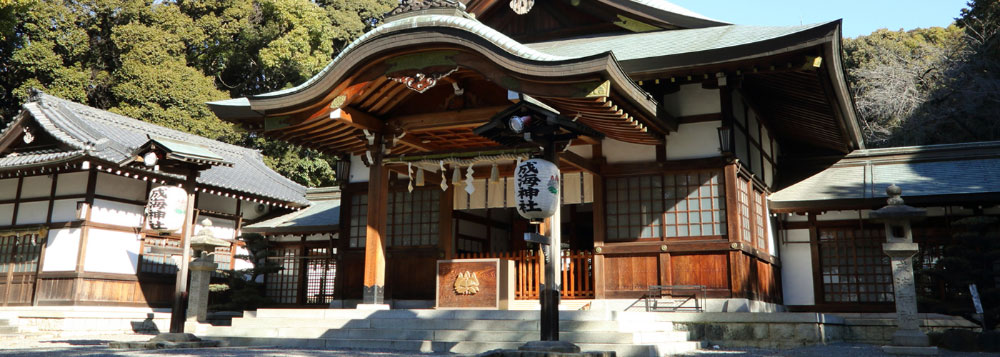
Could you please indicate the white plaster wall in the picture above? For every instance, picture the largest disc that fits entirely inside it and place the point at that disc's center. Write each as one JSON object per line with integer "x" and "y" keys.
{"x": 112, "y": 252}
{"x": 620, "y": 152}
{"x": 797, "y": 218}
{"x": 72, "y": 183}
{"x": 692, "y": 99}
{"x": 32, "y": 212}
{"x": 117, "y": 213}
{"x": 249, "y": 210}
{"x": 36, "y": 186}
{"x": 240, "y": 264}
{"x": 842, "y": 215}
{"x": 694, "y": 141}
{"x": 121, "y": 187}
{"x": 61, "y": 249}
{"x": 772, "y": 231}
{"x": 221, "y": 228}
{"x": 585, "y": 151}
{"x": 6, "y": 214}
{"x": 8, "y": 189}
{"x": 796, "y": 269}
{"x": 321, "y": 237}
{"x": 359, "y": 172}
{"x": 208, "y": 201}
{"x": 64, "y": 210}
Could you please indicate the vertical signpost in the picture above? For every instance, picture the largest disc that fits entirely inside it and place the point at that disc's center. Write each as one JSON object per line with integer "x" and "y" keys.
{"x": 537, "y": 194}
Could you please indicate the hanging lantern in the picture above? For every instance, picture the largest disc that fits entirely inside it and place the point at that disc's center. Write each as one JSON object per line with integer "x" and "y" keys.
{"x": 536, "y": 188}
{"x": 165, "y": 209}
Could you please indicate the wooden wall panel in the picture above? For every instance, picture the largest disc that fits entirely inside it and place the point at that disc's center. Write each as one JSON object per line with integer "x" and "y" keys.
{"x": 52, "y": 290}
{"x": 411, "y": 274}
{"x": 353, "y": 274}
{"x": 21, "y": 289}
{"x": 123, "y": 292}
{"x": 630, "y": 273}
{"x": 710, "y": 270}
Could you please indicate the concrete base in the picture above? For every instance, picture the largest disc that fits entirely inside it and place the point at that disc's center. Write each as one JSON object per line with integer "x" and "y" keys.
{"x": 914, "y": 338}
{"x": 910, "y": 351}
{"x": 547, "y": 349}
{"x": 373, "y": 307}
{"x": 168, "y": 340}
{"x": 550, "y": 346}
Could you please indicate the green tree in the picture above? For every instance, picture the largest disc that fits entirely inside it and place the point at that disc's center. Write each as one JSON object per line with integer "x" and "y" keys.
{"x": 125, "y": 56}
{"x": 160, "y": 61}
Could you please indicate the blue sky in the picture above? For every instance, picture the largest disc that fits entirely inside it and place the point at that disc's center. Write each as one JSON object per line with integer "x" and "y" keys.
{"x": 861, "y": 17}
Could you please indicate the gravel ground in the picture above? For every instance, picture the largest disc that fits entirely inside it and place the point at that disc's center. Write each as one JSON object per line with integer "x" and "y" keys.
{"x": 90, "y": 346}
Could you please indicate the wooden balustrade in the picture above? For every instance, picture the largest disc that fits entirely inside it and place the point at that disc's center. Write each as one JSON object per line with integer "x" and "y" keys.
{"x": 577, "y": 272}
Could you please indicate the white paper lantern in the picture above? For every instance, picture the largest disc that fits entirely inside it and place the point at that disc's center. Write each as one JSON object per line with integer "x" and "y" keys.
{"x": 165, "y": 209}
{"x": 536, "y": 188}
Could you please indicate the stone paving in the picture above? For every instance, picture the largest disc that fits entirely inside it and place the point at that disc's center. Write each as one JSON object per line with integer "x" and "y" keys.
{"x": 96, "y": 345}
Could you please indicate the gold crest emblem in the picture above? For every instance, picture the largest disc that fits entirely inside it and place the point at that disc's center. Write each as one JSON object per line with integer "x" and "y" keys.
{"x": 466, "y": 283}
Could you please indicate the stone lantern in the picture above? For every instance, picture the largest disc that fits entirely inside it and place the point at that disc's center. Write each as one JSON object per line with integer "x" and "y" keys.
{"x": 908, "y": 338}
{"x": 201, "y": 270}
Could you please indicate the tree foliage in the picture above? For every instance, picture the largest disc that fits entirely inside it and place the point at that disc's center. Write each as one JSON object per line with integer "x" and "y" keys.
{"x": 160, "y": 61}
{"x": 929, "y": 86}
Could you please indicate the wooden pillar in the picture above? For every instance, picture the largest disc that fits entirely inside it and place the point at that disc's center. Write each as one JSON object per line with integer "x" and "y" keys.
{"x": 177, "y": 312}
{"x": 733, "y": 226}
{"x": 378, "y": 192}
{"x": 343, "y": 243}
{"x": 600, "y": 229}
{"x": 446, "y": 238}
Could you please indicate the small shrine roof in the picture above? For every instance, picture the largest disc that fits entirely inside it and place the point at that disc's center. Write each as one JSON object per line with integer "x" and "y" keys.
{"x": 923, "y": 172}
{"x": 104, "y": 135}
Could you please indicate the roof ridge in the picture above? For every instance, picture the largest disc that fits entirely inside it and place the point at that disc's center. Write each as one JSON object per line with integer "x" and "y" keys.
{"x": 147, "y": 126}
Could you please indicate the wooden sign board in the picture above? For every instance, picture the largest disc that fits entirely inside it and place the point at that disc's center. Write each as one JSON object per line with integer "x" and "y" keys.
{"x": 475, "y": 284}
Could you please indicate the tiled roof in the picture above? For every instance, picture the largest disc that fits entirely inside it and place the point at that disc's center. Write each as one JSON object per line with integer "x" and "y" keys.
{"x": 323, "y": 214}
{"x": 930, "y": 170}
{"x": 320, "y": 215}
{"x": 113, "y": 137}
{"x": 632, "y": 46}
{"x": 26, "y": 159}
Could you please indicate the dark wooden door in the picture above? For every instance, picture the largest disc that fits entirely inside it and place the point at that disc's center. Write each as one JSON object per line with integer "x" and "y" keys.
{"x": 19, "y": 255}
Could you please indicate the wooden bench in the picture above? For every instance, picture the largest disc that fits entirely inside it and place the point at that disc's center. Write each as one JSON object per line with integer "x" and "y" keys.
{"x": 673, "y": 298}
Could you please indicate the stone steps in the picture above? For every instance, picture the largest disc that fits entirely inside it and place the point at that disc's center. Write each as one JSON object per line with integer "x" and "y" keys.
{"x": 454, "y": 331}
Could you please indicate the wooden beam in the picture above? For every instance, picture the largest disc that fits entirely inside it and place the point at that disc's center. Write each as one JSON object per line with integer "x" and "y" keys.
{"x": 13, "y": 134}
{"x": 358, "y": 119}
{"x": 445, "y": 120}
{"x": 579, "y": 162}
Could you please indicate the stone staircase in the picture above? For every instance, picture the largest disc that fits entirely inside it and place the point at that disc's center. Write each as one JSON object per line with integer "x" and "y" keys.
{"x": 8, "y": 329}
{"x": 448, "y": 331}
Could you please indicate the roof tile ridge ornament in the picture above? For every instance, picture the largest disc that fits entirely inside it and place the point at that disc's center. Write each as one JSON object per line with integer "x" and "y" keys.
{"x": 419, "y": 7}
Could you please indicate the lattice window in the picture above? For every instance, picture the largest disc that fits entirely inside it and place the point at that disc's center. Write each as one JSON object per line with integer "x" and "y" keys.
{"x": 157, "y": 255}
{"x": 359, "y": 220}
{"x": 413, "y": 218}
{"x": 853, "y": 266}
{"x": 760, "y": 220}
{"x": 743, "y": 209}
{"x": 283, "y": 285}
{"x": 20, "y": 253}
{"x": 695, "y": 205}
{"x": 634, "y": 207}
{"x": 677, "y": 205}
{"x": 321, "y": 272}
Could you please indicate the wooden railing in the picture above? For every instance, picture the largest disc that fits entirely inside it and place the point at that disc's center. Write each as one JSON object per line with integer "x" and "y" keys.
{"x": 577, "y": 272}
